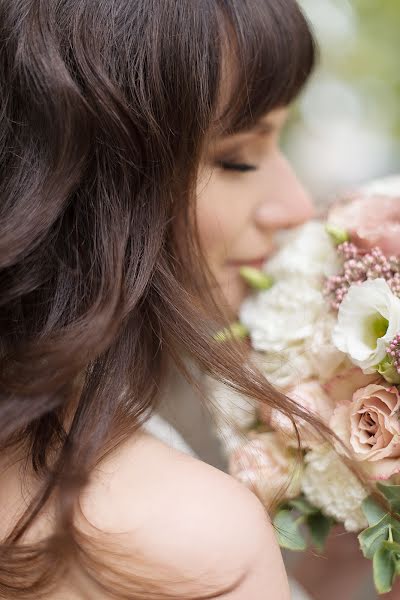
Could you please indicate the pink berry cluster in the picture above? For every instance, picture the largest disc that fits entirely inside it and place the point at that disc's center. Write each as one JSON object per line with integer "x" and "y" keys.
{"x": 394, "y": 351}
{"x": 358, "y": 266}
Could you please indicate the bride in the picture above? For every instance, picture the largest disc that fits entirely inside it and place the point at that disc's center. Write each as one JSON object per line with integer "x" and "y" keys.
{"x": 141, "y": 169}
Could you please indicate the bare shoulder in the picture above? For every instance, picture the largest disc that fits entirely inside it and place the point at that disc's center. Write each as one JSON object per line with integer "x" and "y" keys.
{"x": 186, "y": 519}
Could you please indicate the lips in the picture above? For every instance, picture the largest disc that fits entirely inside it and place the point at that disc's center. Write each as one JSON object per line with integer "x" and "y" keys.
{"x": 256, "y": 263}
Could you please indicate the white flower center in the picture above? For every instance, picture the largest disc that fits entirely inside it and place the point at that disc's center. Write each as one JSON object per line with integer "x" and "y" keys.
{"x": 375, "y": 327}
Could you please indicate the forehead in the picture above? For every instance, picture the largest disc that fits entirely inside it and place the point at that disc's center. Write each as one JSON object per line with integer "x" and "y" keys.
{"x": 269, "y": 123}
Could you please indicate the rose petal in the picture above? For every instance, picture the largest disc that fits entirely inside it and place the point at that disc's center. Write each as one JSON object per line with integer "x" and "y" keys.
{"x": 342, "y": 387}
{"x": 382, "y": 470}
{"x": 370, "y": 220}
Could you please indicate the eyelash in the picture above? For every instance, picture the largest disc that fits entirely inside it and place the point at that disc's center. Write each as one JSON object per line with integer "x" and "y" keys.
{"x": 231, "y": 166}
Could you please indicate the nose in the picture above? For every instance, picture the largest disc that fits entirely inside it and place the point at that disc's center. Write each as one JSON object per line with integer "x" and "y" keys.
{"x": 286, "y": 203}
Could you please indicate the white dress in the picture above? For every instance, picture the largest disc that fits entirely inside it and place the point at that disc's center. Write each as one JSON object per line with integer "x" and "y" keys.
{"x": 183, "y": 422}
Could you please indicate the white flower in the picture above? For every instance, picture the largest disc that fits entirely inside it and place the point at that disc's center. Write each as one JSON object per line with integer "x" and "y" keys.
{"x": 312, "y": 398}
{"x": 323, "y": 355}
{"x": 286, "y": 368}
{"x": 307, "y": 252}
{"x": 369, "y": 318}
{"x": 234, "y": 414}
{"x": 231, "y": 438}
{"x": 266, "y": 466}
{"x": 388, "y": 186}
{"x": 330, "y": 485}
{"x": 284, "y": 315}
{"x": 232, "y": 406}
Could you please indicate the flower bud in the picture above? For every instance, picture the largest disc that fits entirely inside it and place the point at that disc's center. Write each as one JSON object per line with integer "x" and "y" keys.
{"x": 235, "y": 331}
{"x": 337, "y": 234}
{"x": 256, "y": 279}
{"x": 388, "y": 371}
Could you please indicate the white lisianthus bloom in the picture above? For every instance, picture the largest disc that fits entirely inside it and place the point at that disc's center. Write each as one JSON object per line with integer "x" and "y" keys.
{"x": 330, "y": 485}
{"x": 282, "y": 316}
{"x": 368, "y": 319}
{"x": 307, "y": 252}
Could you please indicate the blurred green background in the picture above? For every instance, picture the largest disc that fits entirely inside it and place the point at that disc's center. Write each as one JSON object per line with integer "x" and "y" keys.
{"x": 346, "y": 126}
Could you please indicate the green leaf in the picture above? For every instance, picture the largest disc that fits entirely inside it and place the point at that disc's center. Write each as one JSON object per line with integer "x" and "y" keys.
{"x": 392, "y": 547}
{"x": 303, "y": 506}
{"x": 392, "y": 495}
{"x": 289, "y": 535}
{"x": 372, "y": 511}
{"x": 387, "y": 369}
{"x": 394, "y": 530}
{"x": 319, "y": 526}
{"x": 371, "y": 539}
{"x": 236, "y": 331}
{"x": 384, "y": 570}
{"x": 256, "y": 279}
{"x": 397, "y": 565}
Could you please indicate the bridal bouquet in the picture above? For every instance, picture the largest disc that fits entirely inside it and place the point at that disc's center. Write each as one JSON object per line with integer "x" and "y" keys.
{"x": 324, "y": 326}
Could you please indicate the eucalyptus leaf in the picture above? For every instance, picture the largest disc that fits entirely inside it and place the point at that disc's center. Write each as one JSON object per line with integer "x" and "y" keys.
{"x": 392, "y": 495}
{"x": 319, "y": 526}
{"x": 303, "y": 506}
{"x": 371, "y": 539}
{"x": 384, "y": 570}
{"x": 372, "y": 511}
{"x": 397, "y": 565}
{"x": 288, "y": 532}
{"x": 392, "y": 547}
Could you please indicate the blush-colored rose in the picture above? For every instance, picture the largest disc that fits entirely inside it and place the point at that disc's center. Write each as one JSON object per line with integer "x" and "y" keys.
{"x": 312, "y": 398}
{"x": 370, "y": 221}
{"x": 342, "y": 387}
{"x": 369, "y": 425}
{"x": 267, "y": 467}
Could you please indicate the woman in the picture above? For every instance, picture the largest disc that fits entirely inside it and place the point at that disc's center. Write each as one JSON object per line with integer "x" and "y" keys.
{"x": 139, "y": 168}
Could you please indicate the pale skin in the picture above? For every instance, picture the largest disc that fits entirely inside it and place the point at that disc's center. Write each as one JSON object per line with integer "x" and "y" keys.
{"x": 167, "y": 514}
{"x": 247, "y": 192}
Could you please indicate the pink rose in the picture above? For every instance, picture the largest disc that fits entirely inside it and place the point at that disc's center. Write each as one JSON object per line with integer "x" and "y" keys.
{"x": 313, "y": 399}
{"x": 369, "y": 425}
{"x": 370, "y": 221}
{"x": 342, "y": 387}
{"x": 267, "y": 467}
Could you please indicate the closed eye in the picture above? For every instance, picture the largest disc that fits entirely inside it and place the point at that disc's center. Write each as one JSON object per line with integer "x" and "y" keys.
{"x": 241, "y": 167}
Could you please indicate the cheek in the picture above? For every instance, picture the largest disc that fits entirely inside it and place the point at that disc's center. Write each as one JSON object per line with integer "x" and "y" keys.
{"x": 220, "y": 220}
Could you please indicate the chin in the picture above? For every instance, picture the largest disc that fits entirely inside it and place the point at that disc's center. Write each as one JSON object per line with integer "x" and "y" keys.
{"x": 234, "y": 293}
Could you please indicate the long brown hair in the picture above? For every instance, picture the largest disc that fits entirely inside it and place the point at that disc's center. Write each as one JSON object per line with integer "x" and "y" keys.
{"x": 105, "y": 107}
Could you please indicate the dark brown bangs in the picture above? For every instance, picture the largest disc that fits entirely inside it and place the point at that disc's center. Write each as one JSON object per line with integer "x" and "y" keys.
{"x": 271, "y": 51}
